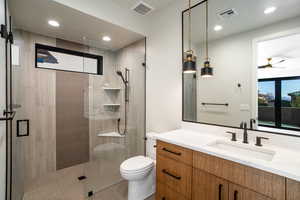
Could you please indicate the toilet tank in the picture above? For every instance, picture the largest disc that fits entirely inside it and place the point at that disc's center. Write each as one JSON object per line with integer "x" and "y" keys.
{"x": 151, "y": 145}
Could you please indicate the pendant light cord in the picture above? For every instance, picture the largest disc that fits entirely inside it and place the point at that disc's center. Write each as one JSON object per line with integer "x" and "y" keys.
{"x": 190, "y": 27}
{"x": 207, "y": 30}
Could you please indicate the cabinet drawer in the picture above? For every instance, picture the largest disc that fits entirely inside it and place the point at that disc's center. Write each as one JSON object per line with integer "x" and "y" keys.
{"x": 163, "y": 192}
{"x": 175, "y": 152}
{"x": 176, "y": 175}
{"x": 222, "y": 168}
{"x": 263, "y": 182}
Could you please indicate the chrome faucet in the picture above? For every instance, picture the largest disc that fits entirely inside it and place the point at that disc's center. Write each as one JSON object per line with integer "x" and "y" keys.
{"x": 243, "y": 125}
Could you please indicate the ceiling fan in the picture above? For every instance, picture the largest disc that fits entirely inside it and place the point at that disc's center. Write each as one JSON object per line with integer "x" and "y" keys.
{"x": 271, "y": 64}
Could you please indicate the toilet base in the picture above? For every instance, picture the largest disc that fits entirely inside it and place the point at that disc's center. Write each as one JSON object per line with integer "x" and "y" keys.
{"x": 142, "y": 189}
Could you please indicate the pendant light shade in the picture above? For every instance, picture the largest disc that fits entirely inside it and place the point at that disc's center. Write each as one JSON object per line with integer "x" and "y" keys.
{"x": 207, "y": 70}
{"x": 189, "y": 63}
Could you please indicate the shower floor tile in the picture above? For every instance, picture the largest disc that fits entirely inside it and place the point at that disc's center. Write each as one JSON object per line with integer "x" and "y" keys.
{"x": 77, "y": 191}
{"x": 115, "y": 192}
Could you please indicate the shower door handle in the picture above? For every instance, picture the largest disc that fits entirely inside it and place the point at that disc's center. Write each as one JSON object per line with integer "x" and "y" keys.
{"x": 10, "y": 115}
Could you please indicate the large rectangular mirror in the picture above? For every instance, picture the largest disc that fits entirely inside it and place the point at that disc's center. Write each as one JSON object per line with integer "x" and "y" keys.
{"x": 254, "y": 50}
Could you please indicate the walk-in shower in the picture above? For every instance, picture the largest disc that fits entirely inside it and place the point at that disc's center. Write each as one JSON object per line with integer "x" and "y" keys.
{"x": 126, "y": 98}
{"x": 65, "y": 139}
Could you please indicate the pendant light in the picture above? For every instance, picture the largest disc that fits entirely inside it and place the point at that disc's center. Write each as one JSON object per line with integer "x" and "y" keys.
{"x": 207, "y": 70}
{"x": 189, "y": 64}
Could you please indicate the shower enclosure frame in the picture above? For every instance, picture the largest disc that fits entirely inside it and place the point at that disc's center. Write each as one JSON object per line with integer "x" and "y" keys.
{"x": 9, "y": 114}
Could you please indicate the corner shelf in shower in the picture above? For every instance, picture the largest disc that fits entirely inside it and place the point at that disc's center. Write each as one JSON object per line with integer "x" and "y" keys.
{"x": 112, "y": 134}
{"x": 111, "y": 89}
{"x": 112, "y": 105}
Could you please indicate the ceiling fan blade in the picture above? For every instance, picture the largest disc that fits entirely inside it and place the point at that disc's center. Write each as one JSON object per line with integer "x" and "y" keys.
{"x": 264, "y": 66}
{"x": 281, "y": 61}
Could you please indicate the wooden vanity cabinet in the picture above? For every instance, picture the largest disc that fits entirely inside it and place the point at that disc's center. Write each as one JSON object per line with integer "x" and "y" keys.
{"x": 183, "y": 174}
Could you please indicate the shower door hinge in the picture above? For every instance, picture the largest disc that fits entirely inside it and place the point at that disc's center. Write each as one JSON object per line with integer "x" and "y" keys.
{"x": 3, "y": 31}
{"x": 8, "y": 36}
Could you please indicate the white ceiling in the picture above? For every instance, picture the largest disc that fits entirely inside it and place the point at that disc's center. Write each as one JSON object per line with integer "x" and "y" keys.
{"x": 287, "y": 48}
{"x": 250, "y": 16}
{"x": 33, "y": 15}
{"x": 156, "y": 4}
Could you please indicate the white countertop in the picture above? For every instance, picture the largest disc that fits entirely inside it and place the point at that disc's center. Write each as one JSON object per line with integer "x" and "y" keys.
{"x": 284, "y": 163}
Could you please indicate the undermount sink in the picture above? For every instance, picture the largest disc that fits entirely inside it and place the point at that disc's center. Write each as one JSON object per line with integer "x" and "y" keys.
{"x": 244, "y": 150}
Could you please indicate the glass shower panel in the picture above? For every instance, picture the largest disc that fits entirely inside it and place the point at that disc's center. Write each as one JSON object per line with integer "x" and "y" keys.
{"x": 108, "y": 147}
{"x": 74, "y": 148}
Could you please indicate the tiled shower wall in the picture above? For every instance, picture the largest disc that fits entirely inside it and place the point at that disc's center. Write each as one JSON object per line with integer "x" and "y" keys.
{"x": 35, "y": 172}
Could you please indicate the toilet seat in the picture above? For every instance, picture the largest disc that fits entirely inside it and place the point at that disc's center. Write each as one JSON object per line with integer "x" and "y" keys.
{"x": 137, "y": 165}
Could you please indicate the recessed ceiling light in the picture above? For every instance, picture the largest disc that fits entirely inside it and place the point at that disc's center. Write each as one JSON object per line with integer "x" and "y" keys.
{"x": 53, "y": 23}
{"x": 218, "y": 28}
{"x": 270, "y": 10}
{"x": 106, "y": 38}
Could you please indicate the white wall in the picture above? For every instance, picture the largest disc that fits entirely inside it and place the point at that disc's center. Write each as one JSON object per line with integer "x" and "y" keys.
{"x": 2, "y": 107}
{"x": 164, "y": 69}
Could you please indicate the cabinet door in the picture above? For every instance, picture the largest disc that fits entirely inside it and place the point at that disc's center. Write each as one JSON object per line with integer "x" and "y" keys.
{"x": 208, "y": 187}
{"x": 239, "y": 193}
{"x": 293, "y": 190}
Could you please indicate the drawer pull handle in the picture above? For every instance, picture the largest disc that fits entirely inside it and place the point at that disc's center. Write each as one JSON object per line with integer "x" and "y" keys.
{"x": 176, "y": 153}
{"x": 236, "y": 193}
{"x": 220, "y": 191}
{"x": 164, "y": 198}
{"x": 172, "y": 175}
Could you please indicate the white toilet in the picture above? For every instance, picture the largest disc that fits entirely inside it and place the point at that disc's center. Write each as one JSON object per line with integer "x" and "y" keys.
{"x": 140, "y": 172}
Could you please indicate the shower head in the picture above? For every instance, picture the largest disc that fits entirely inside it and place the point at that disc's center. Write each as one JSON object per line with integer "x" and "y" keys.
{"x": 119, "y": 73}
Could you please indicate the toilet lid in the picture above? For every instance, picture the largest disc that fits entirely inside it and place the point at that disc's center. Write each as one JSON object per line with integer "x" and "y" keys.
{"x": 137, "y": 163}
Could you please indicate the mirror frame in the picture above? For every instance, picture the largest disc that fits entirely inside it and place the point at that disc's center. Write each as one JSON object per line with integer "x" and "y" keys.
{"x": 196, "y": 122}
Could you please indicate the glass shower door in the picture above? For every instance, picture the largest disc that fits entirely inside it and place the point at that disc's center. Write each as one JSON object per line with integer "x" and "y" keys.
{"x": 109, "y": 148}
{"x": 66, "y": 143}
